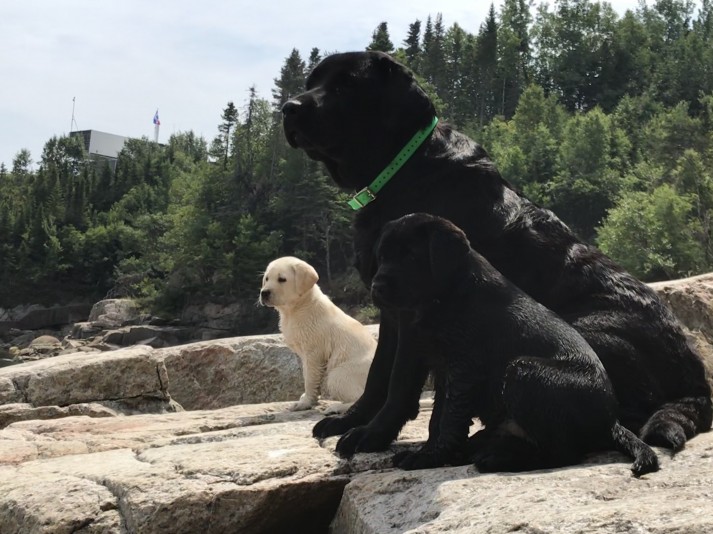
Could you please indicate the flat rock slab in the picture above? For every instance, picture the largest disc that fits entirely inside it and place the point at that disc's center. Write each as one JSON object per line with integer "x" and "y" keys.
{"x": 599, "y": 497}
{"x": 252, "y": 468}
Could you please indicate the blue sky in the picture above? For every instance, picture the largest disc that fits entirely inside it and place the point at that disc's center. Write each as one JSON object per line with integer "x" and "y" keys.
{"x": 123, "y": 59}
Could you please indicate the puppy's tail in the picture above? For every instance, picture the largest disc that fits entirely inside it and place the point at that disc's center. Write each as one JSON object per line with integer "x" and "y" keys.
{"x": 625, "y": 441}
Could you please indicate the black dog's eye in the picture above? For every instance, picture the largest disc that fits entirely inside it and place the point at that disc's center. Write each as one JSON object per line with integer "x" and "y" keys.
{"x": 410, "y": 252}
{"x": 343, "y": 83}
{"x": 281, "y": 280}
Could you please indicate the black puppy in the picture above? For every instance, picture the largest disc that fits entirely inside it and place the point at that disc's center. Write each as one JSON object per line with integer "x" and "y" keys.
{"x": 366, "y": 118}
{"x": 539, "y": 389}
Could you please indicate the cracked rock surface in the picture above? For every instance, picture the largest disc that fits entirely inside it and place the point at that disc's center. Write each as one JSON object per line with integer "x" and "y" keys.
{"x": 252, "y": 468}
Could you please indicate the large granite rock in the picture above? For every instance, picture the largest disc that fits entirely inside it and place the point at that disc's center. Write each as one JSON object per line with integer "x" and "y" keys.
{"x": 204, "y": 375}
{"x": 128, "y": 374}
{"x": 243, "y": 370}
{"x": 114, "y": 313}
{"x": 691, "y": 300}
{"x": 35, "y": 317}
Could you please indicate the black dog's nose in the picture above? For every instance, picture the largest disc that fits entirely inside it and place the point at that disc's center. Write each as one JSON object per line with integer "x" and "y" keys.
{"x": 291, "y": 107}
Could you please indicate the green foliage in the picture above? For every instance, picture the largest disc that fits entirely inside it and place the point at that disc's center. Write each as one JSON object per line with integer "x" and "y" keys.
{"x": 652, "y": 234}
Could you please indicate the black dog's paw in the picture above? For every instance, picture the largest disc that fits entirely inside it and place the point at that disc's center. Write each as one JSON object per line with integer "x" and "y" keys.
{"x": 333, "y": 426}
{"x": 362, "y": 439}
{"x": 647, "y": 463}
{"x": 421, "y": 459}
{"x": 669, "y": 429}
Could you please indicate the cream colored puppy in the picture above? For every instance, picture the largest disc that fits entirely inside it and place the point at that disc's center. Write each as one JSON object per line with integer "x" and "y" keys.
{"x": 336, "y": 350}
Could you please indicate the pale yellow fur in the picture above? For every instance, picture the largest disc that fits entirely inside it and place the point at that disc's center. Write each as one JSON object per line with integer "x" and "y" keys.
{"x": 336, "y": 350}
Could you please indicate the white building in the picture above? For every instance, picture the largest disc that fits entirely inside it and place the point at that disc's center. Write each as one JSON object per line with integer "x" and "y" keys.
{"x": 102, "y": 145}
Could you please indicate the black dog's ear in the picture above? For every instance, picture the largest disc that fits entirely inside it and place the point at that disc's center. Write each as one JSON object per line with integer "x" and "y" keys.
{"x": 386, "y": 64}
{"x": 448, "y": 252}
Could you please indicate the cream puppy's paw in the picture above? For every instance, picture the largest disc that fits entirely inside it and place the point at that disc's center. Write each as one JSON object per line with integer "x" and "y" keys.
{"x": 305, "y": 403}
{"x": 339, "y": 407}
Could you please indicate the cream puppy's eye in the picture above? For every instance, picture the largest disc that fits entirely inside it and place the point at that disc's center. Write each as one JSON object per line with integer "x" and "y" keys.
{"x": 282, "y": 279}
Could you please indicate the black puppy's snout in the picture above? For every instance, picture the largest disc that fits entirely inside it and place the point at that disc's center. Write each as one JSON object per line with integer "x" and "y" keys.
{"x": 380, "y": 287}
{"x": 291, "y": 107}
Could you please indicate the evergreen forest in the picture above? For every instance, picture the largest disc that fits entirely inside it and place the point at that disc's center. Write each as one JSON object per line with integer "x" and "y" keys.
{"x": 606, "y": 119}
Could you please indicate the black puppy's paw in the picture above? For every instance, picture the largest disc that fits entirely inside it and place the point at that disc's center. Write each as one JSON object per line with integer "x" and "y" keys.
{"x": 333, "y": 426}
{"x": 362, "y": 439}
{"x": 507, "y": 453}
{"x": 489, "y": 462}
{"x": 421, "y": 459}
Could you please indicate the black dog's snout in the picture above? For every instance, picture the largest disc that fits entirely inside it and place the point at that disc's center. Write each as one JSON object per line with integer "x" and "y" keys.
{"x": 291, "y": 107}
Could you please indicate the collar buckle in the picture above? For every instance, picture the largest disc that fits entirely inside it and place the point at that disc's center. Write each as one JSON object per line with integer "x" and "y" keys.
{"x": 362, "y": 198}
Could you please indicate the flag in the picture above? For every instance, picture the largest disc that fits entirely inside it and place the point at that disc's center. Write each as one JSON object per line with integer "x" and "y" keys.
{"x": 155, "y": 119}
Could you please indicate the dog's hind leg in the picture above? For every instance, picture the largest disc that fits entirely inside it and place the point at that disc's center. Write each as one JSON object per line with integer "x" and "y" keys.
{"x": 346, "y": 382}
{"x": 554, "y": 411}
{"x": 676, "y": 422}
{"x": 375, "y": 390}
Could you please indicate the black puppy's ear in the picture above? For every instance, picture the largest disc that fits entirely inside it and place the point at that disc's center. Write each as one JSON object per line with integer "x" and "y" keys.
{"x": 448, "y": 252}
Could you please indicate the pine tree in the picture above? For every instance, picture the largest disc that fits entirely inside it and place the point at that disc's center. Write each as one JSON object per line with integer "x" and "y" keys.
{"x": 314, "y": 58}
{"x": 291, "y": 81}
{"x": 230, "y": 121}
{"x": 433, "y": 65}
{"x": 484, "y": 65}
{"x": 412, "y": 46}
{"x": 457, "y": 76}
{"x": 380, "y": 39}
{"x": 514, "y": 53}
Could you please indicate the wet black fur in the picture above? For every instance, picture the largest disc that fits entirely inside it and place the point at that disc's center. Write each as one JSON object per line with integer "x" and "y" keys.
{"x": 538, "y": 388}
{"x": 358, "y": 111}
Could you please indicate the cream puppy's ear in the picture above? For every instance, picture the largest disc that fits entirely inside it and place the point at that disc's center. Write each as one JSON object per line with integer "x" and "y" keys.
{"x": 305, "y": 277}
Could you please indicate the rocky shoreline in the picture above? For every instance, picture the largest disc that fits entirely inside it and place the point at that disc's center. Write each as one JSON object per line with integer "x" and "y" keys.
{"x": 30, "y": 333}
{"x": 199, "y": 437}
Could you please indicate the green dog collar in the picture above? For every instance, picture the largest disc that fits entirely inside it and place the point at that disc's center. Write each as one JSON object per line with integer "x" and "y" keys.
{"x": 368, "y": 194}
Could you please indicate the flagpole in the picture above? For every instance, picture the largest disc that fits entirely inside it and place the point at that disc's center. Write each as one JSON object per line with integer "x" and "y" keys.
{"x": 71, "y": 124}
{"x": 157, "y": 124}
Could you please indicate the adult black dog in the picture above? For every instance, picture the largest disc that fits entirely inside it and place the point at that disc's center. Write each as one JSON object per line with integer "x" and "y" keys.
{"x": 539, "y": 389}
{"x": 361, "y": 110}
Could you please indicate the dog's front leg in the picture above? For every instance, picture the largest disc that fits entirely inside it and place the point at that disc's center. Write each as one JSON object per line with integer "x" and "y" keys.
{"x": 313, "y": 375}
{"x": 448, "y": 428}
{"x": 408, "y": 375}
{"x": 377, "y": 385}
